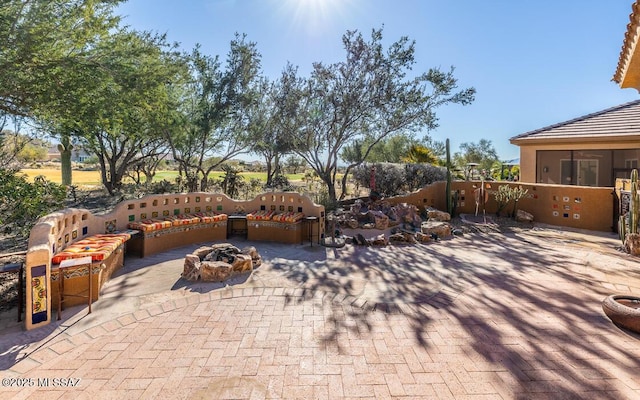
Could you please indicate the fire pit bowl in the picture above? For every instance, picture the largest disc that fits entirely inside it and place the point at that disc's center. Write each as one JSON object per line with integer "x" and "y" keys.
{"x": 623, "y": 310}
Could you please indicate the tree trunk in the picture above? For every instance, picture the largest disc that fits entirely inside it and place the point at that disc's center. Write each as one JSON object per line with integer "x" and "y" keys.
{"x": 65, "y": 159}
{"x": 269, "y": 171}
{"x": 344, "y": 181}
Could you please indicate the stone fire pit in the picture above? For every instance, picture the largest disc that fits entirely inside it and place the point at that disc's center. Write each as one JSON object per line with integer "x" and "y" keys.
{"x": 219, "y": 262}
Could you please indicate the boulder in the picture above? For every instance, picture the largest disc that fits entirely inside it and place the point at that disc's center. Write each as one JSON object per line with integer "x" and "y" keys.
{"x": 408, "y": 214}
{"x": 379, "y": 240}
{"x": 191, "y": 271}
{"x": 632, "y": 244}
{"x": 256, "y": 258}
{"x": 437, "y": 215}
{"x": 353, "y": 223}
{"x": 440, "y": 229}
{"x": 242, "y": 263}
{"x": 523, "y": 216}
{"x": 226, "y": 247}
{"x": 402, "y": 237}
{"x": 202, "y": 252}
{"x": 381, "y": 221}
{"x": 423, "y": 237}
{"x": 215, "y": 271}
{"x": 251, "y": 252}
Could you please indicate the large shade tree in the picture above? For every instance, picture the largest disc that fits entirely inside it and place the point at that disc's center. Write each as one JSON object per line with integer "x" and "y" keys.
{"x": 42, "y": 43}
{"x": 214, "y": 122}
{"x": 134, "y": 106}
{"x": 366, "y": 98}
{"x": 272, "y": 122}
{"x": 46, "y": 46}
{"x": 119, "y": 114}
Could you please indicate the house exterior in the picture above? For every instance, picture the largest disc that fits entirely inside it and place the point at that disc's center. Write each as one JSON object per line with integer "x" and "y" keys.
{"x": 592, "y": 150}
{"x": 77, "y": 155}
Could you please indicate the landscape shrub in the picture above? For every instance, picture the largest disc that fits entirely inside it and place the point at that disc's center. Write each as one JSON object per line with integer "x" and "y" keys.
{"x": 23, "y": 202}
{"x": 394, "y": 179}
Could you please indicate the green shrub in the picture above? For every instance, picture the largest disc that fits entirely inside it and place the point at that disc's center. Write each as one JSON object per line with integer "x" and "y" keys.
{"x": 23, "y": 202}
{"x": 394, "y": 179}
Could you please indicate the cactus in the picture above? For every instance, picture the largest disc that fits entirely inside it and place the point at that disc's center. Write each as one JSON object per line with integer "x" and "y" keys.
{"x": 622, "y": 228}
{"x": 65, "y": 148}
{"x": 628, "y": 223}
{"x": 634, "y": 204}
{"x": 448, "y": 190}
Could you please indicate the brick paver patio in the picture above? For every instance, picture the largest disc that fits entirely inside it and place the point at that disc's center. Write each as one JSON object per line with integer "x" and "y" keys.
{"x": 485, "y": 316}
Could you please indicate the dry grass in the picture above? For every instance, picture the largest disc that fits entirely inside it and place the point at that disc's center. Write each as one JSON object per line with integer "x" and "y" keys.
{"x": 88, "y": 178}
{"x": 92, "y": 178}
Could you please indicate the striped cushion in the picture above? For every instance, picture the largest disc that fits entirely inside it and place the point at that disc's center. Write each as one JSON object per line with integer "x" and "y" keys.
{"x": 98, "y": 247}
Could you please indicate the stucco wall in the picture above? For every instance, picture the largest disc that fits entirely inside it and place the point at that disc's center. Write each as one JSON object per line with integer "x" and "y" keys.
{"x": 581, "y": 207}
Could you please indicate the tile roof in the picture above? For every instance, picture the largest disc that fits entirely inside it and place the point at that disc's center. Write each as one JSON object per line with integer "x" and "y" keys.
{"x": 629, "y": 44}
{"x": 621, "y": 120}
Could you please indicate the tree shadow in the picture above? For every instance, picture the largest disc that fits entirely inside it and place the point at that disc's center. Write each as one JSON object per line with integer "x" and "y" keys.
{"x": 530, "y": 307}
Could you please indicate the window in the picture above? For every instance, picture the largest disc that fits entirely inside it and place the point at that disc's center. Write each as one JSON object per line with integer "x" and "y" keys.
{"x": 579, "y": 172}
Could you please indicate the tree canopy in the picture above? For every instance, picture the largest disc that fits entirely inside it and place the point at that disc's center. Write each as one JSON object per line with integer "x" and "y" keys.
{"x": 366, "y": 98}
{"x": 44, "y": 44}
{"x": 215, "y": 110}
{"x": 129, "y": 98}
{"x": 481, "y": 153}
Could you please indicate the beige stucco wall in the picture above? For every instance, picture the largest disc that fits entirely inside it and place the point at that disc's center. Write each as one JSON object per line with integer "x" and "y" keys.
{"x": 562, "y": 205}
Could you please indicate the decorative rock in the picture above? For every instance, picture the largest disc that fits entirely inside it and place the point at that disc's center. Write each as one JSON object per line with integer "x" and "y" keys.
{"x": 408, "y": 213}
{"x": 191, "y": 271}
{"x": 402, "y": 237}
{"x": 256, "y": 259}
{"x": 437, "y": 215}
{"x": 201, "y": 252}
{"x": 226, "y": 247}
{"x": 251, "y": 252}
{"x": 368, "y": 225}
{"x": 441, "y": 229}
{"x": 381, "y": 221}
{"x": 353, "y": 223}
{"x": 242, "y": 263}
{"x": 458, "y": 232}
{"x": 523, "y": 216}
{"x": 215, "y": 271}
{"x": 379, "y": 240}
{"x": 632, "y": 244}
{"x": 219, "y": 262}
{"x": 423, "y": 237}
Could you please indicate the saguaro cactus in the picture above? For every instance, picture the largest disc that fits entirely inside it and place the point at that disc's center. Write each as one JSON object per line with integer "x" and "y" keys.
{"x": 634, "y": 204}
{"x": 65, "y": 148}
{"x": 449, "y": 199}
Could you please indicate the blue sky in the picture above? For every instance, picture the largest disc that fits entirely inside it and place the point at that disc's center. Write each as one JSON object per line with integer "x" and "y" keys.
{"x": 533, "y": 63}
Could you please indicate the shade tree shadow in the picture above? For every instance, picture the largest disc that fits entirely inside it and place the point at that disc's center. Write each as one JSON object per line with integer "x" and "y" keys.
{"x": 528, "y": 307}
